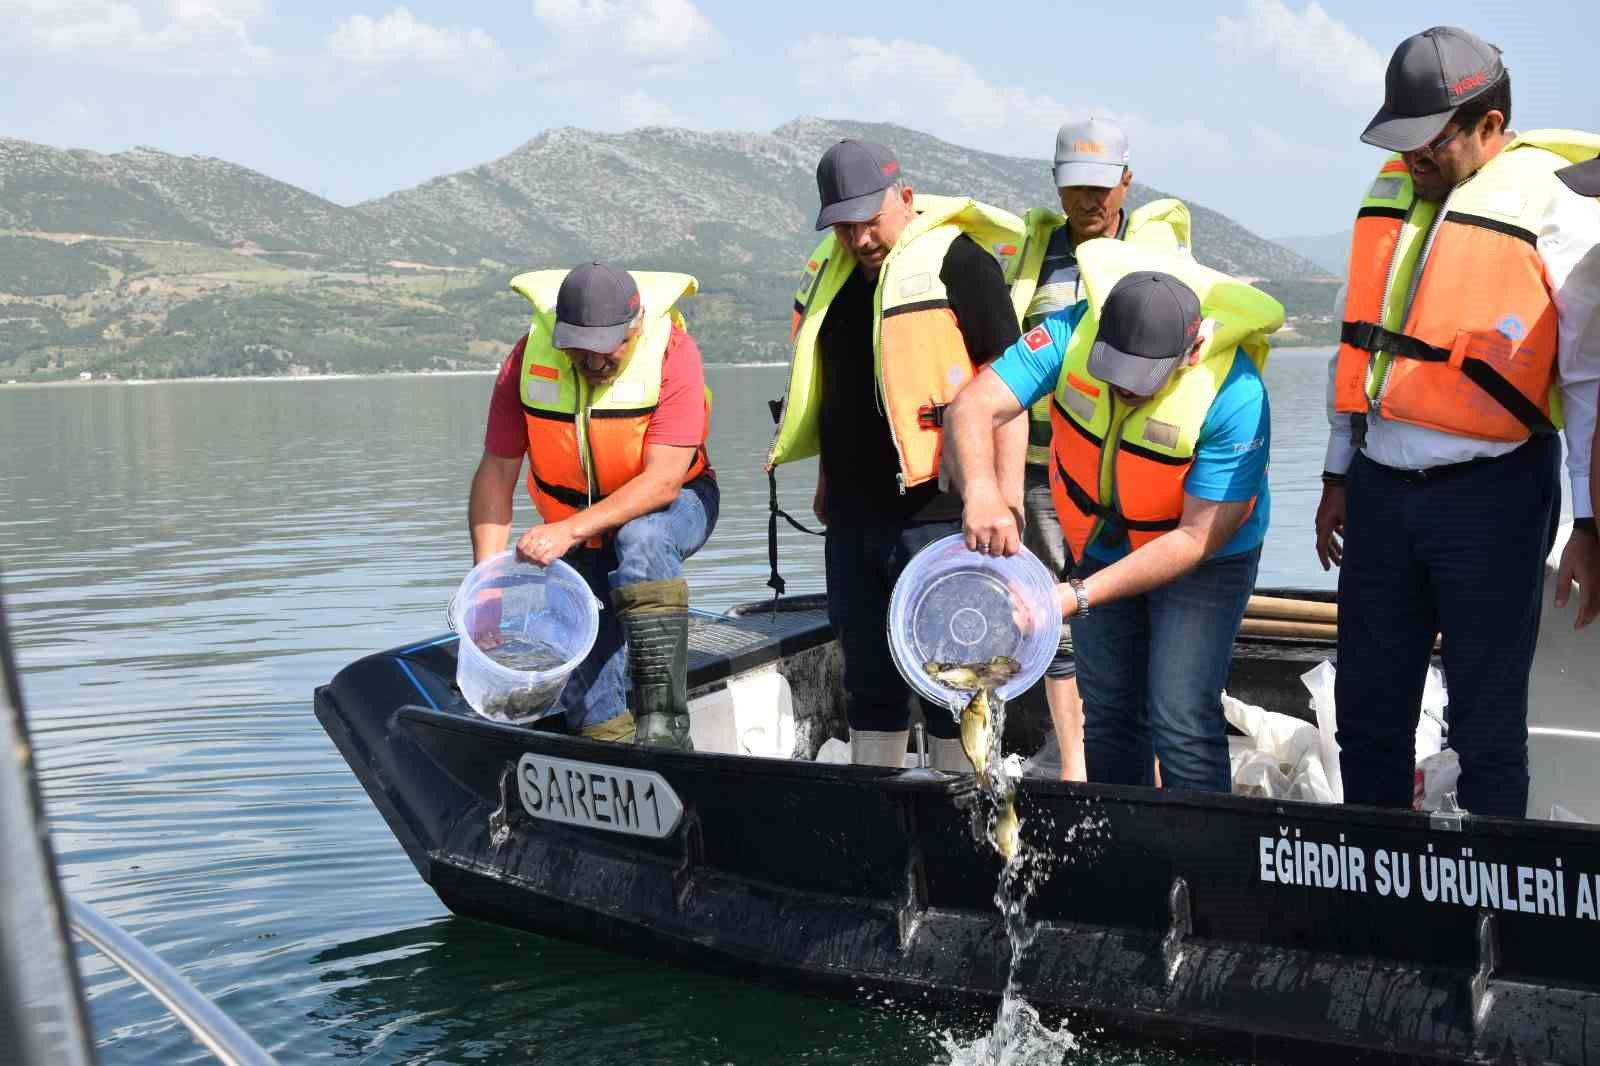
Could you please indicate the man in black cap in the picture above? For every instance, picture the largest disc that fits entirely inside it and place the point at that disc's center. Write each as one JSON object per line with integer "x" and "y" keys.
{"x": 900, "y": 304}
{"x": 1467, "y": 330}
{"x": 1158, "y": 470}
{"x": 606, "y": 397}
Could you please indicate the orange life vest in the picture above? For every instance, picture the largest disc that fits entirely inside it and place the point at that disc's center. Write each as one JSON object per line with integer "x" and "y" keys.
{"x": 1121, "y": 468}
{"x": 585, "y": 442}
{"x": 1449, "y": 321}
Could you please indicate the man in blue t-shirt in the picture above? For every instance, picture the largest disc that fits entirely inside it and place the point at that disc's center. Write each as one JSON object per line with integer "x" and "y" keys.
{"x": 1153, "y": 625}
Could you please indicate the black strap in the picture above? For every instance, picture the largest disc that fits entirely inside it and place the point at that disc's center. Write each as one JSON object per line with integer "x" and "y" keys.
{"x": 562, "y": 494}
{"x": 1115, "y": 519}
{"x": 1371, "y": 337}
{"x": 774, "y": 512}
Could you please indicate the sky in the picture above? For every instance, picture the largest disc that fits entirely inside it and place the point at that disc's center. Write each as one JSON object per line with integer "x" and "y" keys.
{"x": 1251, "y": 107}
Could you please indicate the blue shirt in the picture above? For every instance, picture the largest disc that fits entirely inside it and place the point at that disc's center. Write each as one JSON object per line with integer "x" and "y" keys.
{"x": 1230, "y": 461}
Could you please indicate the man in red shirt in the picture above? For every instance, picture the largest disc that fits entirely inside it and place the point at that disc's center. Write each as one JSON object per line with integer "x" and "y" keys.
{"x": 606, "y": 397}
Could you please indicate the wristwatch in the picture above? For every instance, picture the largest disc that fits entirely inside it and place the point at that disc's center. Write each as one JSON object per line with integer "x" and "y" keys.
{"x": 1083, "y": 597}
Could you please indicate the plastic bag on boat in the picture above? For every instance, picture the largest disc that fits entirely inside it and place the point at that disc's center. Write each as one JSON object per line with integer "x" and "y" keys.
{"x": 1559, "y": 813}
{"x": 834, "y": 750}
{"x": 1283, "y": 759}
{"x": 1436, "y": 776}
{"x": 1431, "y": 726}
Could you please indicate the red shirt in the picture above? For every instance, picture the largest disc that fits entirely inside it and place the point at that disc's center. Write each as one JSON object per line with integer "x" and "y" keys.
{"x": 679, "y": 418}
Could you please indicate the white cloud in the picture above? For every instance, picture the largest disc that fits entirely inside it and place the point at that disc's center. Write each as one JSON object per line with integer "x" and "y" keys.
{"x": 637, "y": 108}
{"x": 925, "y": 87}
{"x": 1318, "y": 49}
{"x": 650, "y": 38}
{"x": 365, "y": 45}
{"x": 208, "y": 38}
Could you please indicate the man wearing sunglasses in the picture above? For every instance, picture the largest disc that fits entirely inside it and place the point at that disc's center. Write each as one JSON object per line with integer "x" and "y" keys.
{"x": 606, "y": 397}
{"x": 1467, "y": 332}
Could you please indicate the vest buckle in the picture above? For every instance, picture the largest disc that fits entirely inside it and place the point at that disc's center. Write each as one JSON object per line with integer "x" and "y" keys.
{"x": 931, "y": 415}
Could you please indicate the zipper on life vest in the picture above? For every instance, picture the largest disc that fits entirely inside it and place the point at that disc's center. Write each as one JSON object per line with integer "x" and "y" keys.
{"x": 585, "y": 452}
{"x": 1411, "y": 289}
{"x": 1108, "y": 462}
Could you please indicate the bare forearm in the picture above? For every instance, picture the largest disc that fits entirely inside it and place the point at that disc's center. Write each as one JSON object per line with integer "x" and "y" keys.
{"x": 1161, "y": 562}
{"x": 970, "y": 432}
{"x": 650, "y": 491}
{"x": 489, "y": 513}
{"x": 1011, "y": 458}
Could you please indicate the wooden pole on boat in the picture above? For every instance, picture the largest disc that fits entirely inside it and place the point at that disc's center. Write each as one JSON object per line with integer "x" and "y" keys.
{"x": 1277, "y": 627}
{"x": 1290, "y": 610}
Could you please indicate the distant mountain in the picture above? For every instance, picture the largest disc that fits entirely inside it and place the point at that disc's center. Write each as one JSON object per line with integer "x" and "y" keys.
{"x": 150, "y": 264}
{"x": 1330, "y": 251}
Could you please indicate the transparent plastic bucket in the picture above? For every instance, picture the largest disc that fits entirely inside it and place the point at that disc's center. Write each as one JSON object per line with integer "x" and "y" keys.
{"x": 545, "y": 617}
{"x": 953, "y": 605}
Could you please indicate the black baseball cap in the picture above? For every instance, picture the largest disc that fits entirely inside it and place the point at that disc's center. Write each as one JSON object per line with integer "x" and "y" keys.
{"x": 851, "y": 179}
{"x": 594, "y": 308}
{"x": 1429, "y": 76}
{"x": 1582, "y": 178}
{"x": 1147, "y": 327}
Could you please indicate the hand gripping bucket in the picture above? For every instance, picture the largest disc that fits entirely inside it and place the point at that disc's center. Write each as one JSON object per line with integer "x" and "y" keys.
{"x": 524, "y": 628}
{"x": 953, "y": 605}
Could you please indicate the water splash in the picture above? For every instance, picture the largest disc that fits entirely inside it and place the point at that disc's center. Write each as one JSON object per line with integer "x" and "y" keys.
{"x": 1018, "y": 1037}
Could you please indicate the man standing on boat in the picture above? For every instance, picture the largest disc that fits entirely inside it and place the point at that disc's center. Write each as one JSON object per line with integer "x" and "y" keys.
{"x": 606, "y": 396}
{"x": 1091, "y": 176}
{"x": 1159, "y": 445}
{"x": 899, "y": 305}
{"x": 1584, "y": 179}
{"x": 1469, "y": 325}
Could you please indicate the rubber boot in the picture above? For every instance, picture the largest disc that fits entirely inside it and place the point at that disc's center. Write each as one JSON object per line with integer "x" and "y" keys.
{"x": 655, "y": 623}
{"x": 874, "y": 747}
{"x": 945, "y": 753}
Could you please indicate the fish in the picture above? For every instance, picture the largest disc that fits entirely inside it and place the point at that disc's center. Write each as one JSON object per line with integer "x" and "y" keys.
{"x": 972, "y": 677}
{"x": 977, "y": 741}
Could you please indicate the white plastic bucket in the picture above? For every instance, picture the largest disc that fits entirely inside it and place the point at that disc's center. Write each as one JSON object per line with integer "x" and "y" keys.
{"x": 544, "y": 613}
{"x": 958, "y": 606}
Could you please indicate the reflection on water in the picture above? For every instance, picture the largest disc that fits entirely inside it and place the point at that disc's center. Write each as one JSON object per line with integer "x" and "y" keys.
{"x": 185, "y": 562}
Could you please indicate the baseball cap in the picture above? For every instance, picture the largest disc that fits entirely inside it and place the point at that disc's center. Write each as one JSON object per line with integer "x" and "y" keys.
{"x": 1090, "y": 153}
{"x": 1147, "y": 326}
{"x": 1582, "y": 178}
{"x": 596, "y": 304}
{"x": 851, "y": 179}
{"x": 1429, "y": 76}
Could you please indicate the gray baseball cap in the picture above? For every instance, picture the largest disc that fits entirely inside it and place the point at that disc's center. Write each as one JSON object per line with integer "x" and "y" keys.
{"x": 851, "y": 179}
{"x": 1429, "y": 76}
{"x": 1582, "y": 178}
{"x": 1147, "y": 326}
{"x": 594, "y": 308}
{"x": 1090, "y": 153}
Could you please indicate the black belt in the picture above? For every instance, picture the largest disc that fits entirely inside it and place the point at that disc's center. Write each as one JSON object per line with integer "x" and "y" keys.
{"x": 1445, "y": 470}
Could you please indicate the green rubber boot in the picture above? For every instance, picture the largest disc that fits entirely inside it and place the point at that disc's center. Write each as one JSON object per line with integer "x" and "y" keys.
{"x": 655, "y": 622}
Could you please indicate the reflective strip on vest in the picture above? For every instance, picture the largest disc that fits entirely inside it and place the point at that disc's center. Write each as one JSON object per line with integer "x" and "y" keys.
{"x": 1117, "y": 470}
{"x": 920, "y": 358}
{"x": 586, "y": 442}
{"x": 1160, "y": 224}
{"x": 1448, "y": 320}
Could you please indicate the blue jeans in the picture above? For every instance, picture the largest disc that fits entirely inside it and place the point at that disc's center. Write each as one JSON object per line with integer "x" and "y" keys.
{"x": 863, "y": 558}
{"x": 1151, "y": 670}
{"x": 652, "y": 547}
{"x": 1461, "y": 555}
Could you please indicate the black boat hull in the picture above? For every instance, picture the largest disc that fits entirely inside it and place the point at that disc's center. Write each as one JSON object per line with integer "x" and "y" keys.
{"x": 1167, "y": 912}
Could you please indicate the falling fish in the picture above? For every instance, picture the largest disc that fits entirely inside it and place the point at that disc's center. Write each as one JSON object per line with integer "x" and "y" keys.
{"x": 977, "y": 741}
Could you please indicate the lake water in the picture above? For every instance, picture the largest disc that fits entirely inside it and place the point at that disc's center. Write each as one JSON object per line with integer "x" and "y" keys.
{"x": 184, "y": 563}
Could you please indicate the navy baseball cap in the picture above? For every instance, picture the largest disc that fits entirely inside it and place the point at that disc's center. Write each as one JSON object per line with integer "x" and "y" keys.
{"x": 594, "y": 308}
{"x": 1147, "y": 326}
{"x": 1429, "y": 76}
{"x": 851, "y": 179}
{"x": 1582, "y": 178}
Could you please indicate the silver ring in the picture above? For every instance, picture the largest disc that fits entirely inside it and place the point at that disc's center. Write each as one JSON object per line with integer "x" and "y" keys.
{"x": 984, "y": 547}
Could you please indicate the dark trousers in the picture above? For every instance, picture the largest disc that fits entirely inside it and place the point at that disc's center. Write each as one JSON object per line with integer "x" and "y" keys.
{"x": 1461, "y": 555}
{"x": 863, "y": 557}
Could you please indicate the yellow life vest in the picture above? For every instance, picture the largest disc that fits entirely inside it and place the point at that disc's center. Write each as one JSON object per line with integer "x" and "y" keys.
{"x": 920, "y": 360}
{"x": 1162, "y": 225}
{"x": 585, "y": 442}
{"x": 1124, "y": 466}
{"x": 1449, "y": 321}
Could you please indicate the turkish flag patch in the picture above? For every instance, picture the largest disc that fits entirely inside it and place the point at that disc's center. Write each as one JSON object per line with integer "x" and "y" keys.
{"x": 1036, "y": 338}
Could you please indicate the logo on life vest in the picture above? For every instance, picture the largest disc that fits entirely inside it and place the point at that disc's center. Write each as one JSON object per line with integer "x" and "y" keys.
{"x": 1511, "y": 328}
{"x": 1037, "y": 339}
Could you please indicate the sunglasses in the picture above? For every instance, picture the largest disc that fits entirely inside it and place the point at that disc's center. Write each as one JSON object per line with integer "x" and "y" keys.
{"x": 1427, "y": 151}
